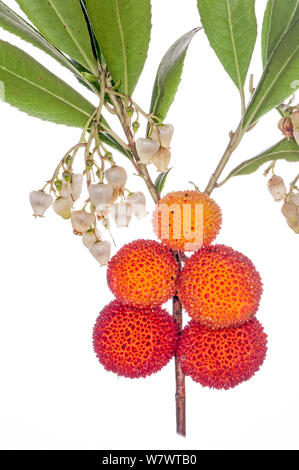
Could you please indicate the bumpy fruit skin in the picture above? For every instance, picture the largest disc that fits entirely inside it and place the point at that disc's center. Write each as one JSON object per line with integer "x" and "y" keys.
{"x": 181, "y": 228}
{"x": 143, "y": 273}
{"x": 224, "y": 358}
{"x": 219, "y": 287}
{"x": 134, "y": 342}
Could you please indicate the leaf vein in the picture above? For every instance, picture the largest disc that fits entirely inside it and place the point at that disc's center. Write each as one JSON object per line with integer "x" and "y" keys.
{"x": 77, "y": 43}
{"x": 123, "y": 43}
{"x": 44, "y": 90}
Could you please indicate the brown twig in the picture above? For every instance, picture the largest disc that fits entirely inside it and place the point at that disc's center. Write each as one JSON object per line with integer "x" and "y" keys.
{"x": 180, "y": 395}
{"x": 235, "y": 139}
{"x": 177, "y": 311}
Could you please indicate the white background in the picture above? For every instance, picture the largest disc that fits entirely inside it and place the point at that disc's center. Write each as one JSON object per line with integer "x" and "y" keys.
{"x": 54, "y": 393}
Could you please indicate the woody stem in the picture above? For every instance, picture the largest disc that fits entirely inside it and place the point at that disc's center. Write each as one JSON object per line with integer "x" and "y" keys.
{"x": 180, "y": 395}
{"x": 235, "y": 139}
{"x": 177, "y": 309}
{"x": 177, "y": 306}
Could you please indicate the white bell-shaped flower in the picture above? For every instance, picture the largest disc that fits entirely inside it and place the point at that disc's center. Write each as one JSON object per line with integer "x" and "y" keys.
{"x": 277, "y": 188}
{"x": 40, "y": 202}
{"x": 122, "y": 213}
{"x": 295, "y": 119}
{"x": 161, "y": 159}
{"x": 101, "y": 251}
{"x": 296, "y": 135}
{"x": 294, "y": 225}
{"x": 81, "y": 221}
{"x": 116, "y": 176}
{"x": 146, "y": 149}
{"x": 103, "y": 209}
{"x": 65, "y": 190}
{"x": 295, "y": 199}
{"x": 77, "y": 185}
{"x": 91, "y": 237}
{"x": 163, "y": 134}
{"x": 63, "y": 206}
{"x": 291, "y": 212}
{"x": 138, "y": 203}
{"x": 73, "y": 190}
{"x": 100, "y": 194}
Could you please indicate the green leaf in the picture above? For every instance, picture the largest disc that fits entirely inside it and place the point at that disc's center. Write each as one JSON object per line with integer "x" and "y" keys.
{"x": 169, "y": 75}
{"x": 279, "y": 80}
{"x": 280, "y": 16}
{"x": 283, "y": 150}
{"x": 231, "y": 28}
{"x": 161, "y": 180}
{"x": 122, "y": 29}
{"x": 13, "y": 23}
{"x": 31, "y": 88}
{"x": 94, "y": 43}
{"x": 107, "y": 139}
{"x": 63, "y": 24}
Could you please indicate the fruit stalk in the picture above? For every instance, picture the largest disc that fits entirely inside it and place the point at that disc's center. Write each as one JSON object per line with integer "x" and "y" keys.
{"x": 180, "y": 395}
{"x": 177, "y": 312}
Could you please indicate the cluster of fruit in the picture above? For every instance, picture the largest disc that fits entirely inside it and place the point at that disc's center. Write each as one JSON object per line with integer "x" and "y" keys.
{"x": 223, "y": 344}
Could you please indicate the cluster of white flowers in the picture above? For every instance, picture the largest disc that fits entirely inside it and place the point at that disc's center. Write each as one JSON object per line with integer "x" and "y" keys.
{"x": 155, "y": 149}
{"x": 105, "y": 199}
{"x": 290, "y": 208}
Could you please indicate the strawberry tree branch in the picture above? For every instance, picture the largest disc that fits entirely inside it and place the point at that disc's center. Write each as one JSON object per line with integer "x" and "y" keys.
{"x": 235, "y": 139}
{"x": 180, "y": 396}
{"x": 125, "y": 121}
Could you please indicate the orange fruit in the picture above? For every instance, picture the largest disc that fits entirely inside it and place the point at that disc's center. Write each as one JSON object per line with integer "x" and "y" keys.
{"x": 187, "y": 220}
{"x": 143, "y": 273}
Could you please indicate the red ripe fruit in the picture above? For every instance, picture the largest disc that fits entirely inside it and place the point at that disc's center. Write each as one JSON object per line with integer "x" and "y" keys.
{"x": 223, "y": 358}
{"x": 134, "y": 342}
{"x": 143, "y": 273}
{"x": 219, "y": 287}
